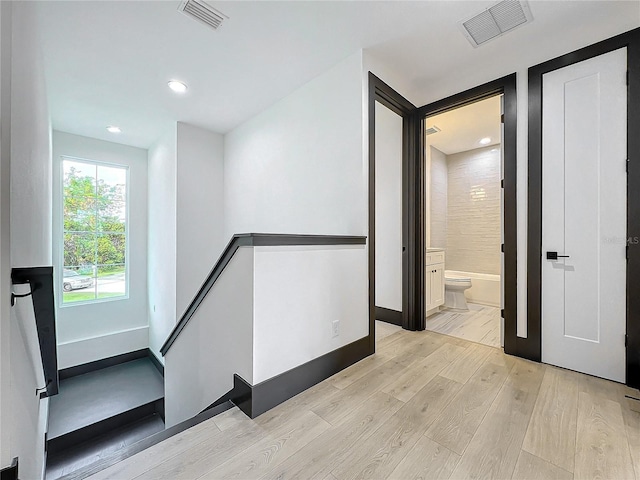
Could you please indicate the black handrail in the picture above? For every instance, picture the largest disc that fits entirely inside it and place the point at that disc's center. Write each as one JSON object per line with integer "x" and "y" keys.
{"x": 40, "y": 280}
{"x": 252, "y": 240}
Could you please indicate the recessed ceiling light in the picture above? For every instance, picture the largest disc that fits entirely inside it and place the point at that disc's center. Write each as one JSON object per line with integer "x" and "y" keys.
{"x": 177, "y": 86}
{"x": 113, "y": 129}
{"x": 485, "y": 141}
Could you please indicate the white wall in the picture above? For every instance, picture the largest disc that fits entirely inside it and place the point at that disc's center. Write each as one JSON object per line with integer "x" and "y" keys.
{"x": 120, "y": 325}
{"x": 217, "y": 343}
{"x": 200, "y": 209}
{"x": 161, "y": 249}
{"x": 271, "y": 310}
{"x": 298, "y": 167}
{"x": 388, "y": 208}
{"x": 186, "y": 222}
{"x": 30, "y": 237}
{"x": 298, "y": 293}
{"x": 29, "y": 414}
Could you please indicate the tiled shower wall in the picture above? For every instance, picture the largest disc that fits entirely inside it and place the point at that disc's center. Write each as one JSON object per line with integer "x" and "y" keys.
{"x": 438, "y": 198}
{"x": 473, "y": 210}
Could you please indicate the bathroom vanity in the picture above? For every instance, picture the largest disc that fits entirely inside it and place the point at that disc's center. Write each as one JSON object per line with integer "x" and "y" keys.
{"x": 434, "y": 279}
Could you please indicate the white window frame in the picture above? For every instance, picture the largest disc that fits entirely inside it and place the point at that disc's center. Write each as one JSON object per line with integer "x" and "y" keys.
{"x": 60, "y": 234}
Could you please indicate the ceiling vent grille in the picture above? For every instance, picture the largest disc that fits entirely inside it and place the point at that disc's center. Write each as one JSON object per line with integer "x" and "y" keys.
{"x": 432, "y": 130}
{"x": 202, "y": 12}
{"x": 495, "y": 21}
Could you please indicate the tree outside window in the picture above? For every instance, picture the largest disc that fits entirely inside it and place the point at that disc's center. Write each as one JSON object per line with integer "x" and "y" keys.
{"x": 94, "y": 230}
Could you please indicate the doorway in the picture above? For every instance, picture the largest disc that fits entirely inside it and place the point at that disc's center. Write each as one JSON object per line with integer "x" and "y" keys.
{"x": 504, "y": 89}
{"x": 414, "y": 216}
{"x": 464, "y": 226}
{"x": 393, "y": 176}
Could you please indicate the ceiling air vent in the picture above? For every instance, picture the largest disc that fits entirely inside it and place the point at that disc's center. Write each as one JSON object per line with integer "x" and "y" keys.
{"x": 432, "y": 130}
{"x": 495, "y": 21}
{"x": 202, "y": 12}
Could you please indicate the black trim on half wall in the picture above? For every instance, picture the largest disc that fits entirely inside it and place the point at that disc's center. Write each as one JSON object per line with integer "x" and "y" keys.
{"x": 254, "y": 400}
{"x": 507, "y": 87}
{"x": 413, "y": 302}
{"x": 533, "y": 343}
{"x": 390, "y": 316}
{"x": 10, "y": 472}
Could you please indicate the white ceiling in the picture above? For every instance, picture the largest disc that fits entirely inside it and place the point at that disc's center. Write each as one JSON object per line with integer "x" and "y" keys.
{"x": 107, "y": 62}
{"x": 461, "y": 129}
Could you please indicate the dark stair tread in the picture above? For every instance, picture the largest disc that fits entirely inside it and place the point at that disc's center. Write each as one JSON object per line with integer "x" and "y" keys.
{"x": 95, "y": 396}
{"x": 117, "y": 456}
{"x": 87, "y": 453}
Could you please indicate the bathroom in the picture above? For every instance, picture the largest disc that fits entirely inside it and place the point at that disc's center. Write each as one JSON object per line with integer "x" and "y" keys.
{"x": 463, "y": 198}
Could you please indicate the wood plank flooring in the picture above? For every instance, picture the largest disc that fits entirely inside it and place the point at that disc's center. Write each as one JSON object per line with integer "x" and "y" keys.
{"x": 408, "y": 413}
{"x": 481, "y": 324}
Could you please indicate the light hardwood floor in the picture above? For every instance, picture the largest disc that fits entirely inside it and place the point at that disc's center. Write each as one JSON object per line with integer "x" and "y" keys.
{"x": 424, "y": 406}
{"x": 480, "y": 324}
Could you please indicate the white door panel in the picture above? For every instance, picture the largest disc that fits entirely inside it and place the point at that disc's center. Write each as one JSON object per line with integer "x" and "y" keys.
{"x": 584, "y": 216}
{"x": 388, "y": 208}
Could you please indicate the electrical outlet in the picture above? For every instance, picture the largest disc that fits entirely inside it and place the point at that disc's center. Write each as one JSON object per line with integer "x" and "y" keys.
{"x": 335, "y": 328}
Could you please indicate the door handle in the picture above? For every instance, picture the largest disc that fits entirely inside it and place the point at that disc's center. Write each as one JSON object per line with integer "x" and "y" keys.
{"x": 555, "y": 256}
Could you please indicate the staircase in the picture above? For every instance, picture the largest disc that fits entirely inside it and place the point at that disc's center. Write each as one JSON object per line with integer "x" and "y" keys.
{"x": 102, "y": 411}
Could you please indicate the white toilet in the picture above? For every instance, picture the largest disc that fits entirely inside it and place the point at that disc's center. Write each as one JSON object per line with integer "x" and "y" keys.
{"x": 454, "y": 287}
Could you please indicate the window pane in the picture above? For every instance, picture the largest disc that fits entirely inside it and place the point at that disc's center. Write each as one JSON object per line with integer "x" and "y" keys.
{"x": 111, "y": 249}
{"x": 79, "y": 179}
{"x": 80, "y": 250}
{"x": 94, "y": 231}
{"x": 112, "y": 216}
{"x": 112, "y": 182}
{"x": 80, "y": 214}
{"x": 77, "y": 287}
{"x": 111, "y": 281}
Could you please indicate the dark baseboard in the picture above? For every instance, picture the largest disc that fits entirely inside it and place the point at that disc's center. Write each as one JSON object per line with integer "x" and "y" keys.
{"x": 156, "y": 363}
{"x": 257, "y": 399}
{"x": 102, "y": 363}
{"x": 389, "y": 316}
{"x": 10, "y": 472}
{"x": 58, "y": 444}
{"x": 242, "y": 395}
{"x": 143, "y": 444}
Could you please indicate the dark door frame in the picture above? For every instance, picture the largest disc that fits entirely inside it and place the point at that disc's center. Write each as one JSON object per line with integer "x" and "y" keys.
{"x": 533, "y": 342}
{"x": 507, "y": 87}
{"x": 387, "y": 96}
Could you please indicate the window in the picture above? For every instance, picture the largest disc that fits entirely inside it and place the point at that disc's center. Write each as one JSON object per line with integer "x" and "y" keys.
{"x": 94, "y": 205}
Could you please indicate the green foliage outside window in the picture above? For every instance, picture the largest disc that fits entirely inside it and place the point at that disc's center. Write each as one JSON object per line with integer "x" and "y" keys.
{"x": 94, "y": 229}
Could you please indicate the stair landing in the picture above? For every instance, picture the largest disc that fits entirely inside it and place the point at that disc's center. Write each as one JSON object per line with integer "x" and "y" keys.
{"x": 97, "y": 396}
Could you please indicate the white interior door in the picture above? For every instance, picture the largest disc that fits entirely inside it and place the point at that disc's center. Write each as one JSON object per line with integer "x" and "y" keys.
{"x": 388, "y": 208}
{"x": 584, "y": 213}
